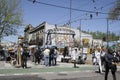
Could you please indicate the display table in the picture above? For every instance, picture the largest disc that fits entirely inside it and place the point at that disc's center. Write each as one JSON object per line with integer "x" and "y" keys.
{"x": 66, "y": 59}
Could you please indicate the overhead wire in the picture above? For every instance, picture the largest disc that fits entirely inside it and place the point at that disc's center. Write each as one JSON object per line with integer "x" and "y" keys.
{"x": 67, "y": 7}
{"x": 75, "y": 9}
{"x": 92, "y": 19}
{"x": 104, "y": 6}
{"x": 85, "y": 4}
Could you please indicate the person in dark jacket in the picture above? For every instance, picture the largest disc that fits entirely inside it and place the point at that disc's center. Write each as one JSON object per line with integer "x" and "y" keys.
{"x": 51, "y": 56}
{"x": 110, "y": 63}
{"x": 65, "y": 52}
{"x": 55, "y": 55}
{"x": 37, "y": 56}
{"x": 24, "y": 58}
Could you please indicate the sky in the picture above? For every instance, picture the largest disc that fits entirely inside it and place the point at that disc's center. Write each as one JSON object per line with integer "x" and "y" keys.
{"x": 58, "y": 12}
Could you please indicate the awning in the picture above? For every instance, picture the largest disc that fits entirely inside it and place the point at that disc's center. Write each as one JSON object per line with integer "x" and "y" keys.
{"x": 33, "y": 46}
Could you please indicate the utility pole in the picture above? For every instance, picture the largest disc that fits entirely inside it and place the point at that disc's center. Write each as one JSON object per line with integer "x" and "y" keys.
{"x": 70, "y": 19}
{"x": 18, "y": 56}
{"x": 70, "y": 12}
{"x": 70, "y": 28}
{"x": 80, "y": 32}
{"x": 56, "y": 34}
{"x": 107, "y": 34}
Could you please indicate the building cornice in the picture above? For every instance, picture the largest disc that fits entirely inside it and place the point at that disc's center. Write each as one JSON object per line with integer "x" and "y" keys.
{"x": 38, "y": 27}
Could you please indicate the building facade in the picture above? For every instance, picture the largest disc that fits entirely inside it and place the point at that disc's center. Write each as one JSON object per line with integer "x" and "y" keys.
{"x": 60, "y": 36}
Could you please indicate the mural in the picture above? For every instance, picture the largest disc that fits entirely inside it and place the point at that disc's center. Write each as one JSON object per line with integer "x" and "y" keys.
{"x": 60, "y": 37}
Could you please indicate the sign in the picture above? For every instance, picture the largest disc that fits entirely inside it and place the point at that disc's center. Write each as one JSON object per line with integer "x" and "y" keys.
{"x": 60, "y": 44}
{"x": 118, "y": 44}
{"x": 85, "y": 40}
{"x": 85, "y": 50}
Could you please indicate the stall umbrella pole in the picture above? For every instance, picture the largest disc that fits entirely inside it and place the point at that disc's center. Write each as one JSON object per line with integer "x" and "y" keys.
{"x": 18, "y": 58}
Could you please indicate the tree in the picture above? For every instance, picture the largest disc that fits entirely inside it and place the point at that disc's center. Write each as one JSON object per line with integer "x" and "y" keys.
{"x": 100, "y": 35}
{"x": 115, "y": 11}
{"x": 10, "y": 17}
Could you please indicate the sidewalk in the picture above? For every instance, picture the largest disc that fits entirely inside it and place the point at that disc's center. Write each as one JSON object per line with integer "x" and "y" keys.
{"x": 8, "y": 69}
{"x": 4, "y": 65}
{"x": 62, "y": 71}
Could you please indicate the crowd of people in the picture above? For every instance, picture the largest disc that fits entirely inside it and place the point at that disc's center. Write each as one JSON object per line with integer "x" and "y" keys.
{"x": 38, "y": 55}
{"x": 47, "y": 56}
{"x": 108, "y": 58}
{"x": 102, "y": 57}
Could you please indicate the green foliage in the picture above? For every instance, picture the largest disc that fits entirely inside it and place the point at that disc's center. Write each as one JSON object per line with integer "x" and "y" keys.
{"x": 10, "y": 17}
{"x": 115, "y": 11}
{"x": 100, "y": 35}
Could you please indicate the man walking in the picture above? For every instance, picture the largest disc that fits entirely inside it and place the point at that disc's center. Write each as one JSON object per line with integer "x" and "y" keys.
{"x": 24, "y": 57}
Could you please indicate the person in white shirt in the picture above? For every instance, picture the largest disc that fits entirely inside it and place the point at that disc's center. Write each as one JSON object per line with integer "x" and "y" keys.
{"x": 98, "y": 59}
{"x": 46, "y": 56}
{"x": 74, "y": 56}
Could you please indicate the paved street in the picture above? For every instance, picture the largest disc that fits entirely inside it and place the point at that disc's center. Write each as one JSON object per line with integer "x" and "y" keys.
{"x": 32, "y": 68}
{"x": 63, "y": 71}
{"x": 60, "y": 76}
{"x": 59, "y": 39}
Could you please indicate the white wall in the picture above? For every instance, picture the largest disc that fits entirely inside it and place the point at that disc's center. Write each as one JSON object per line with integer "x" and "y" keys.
{"x": 77, "y": 32}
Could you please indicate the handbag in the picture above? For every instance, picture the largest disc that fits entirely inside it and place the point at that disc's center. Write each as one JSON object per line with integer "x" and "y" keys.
{"x": 114, "y": 68}
{"x": 115, "y": 59}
